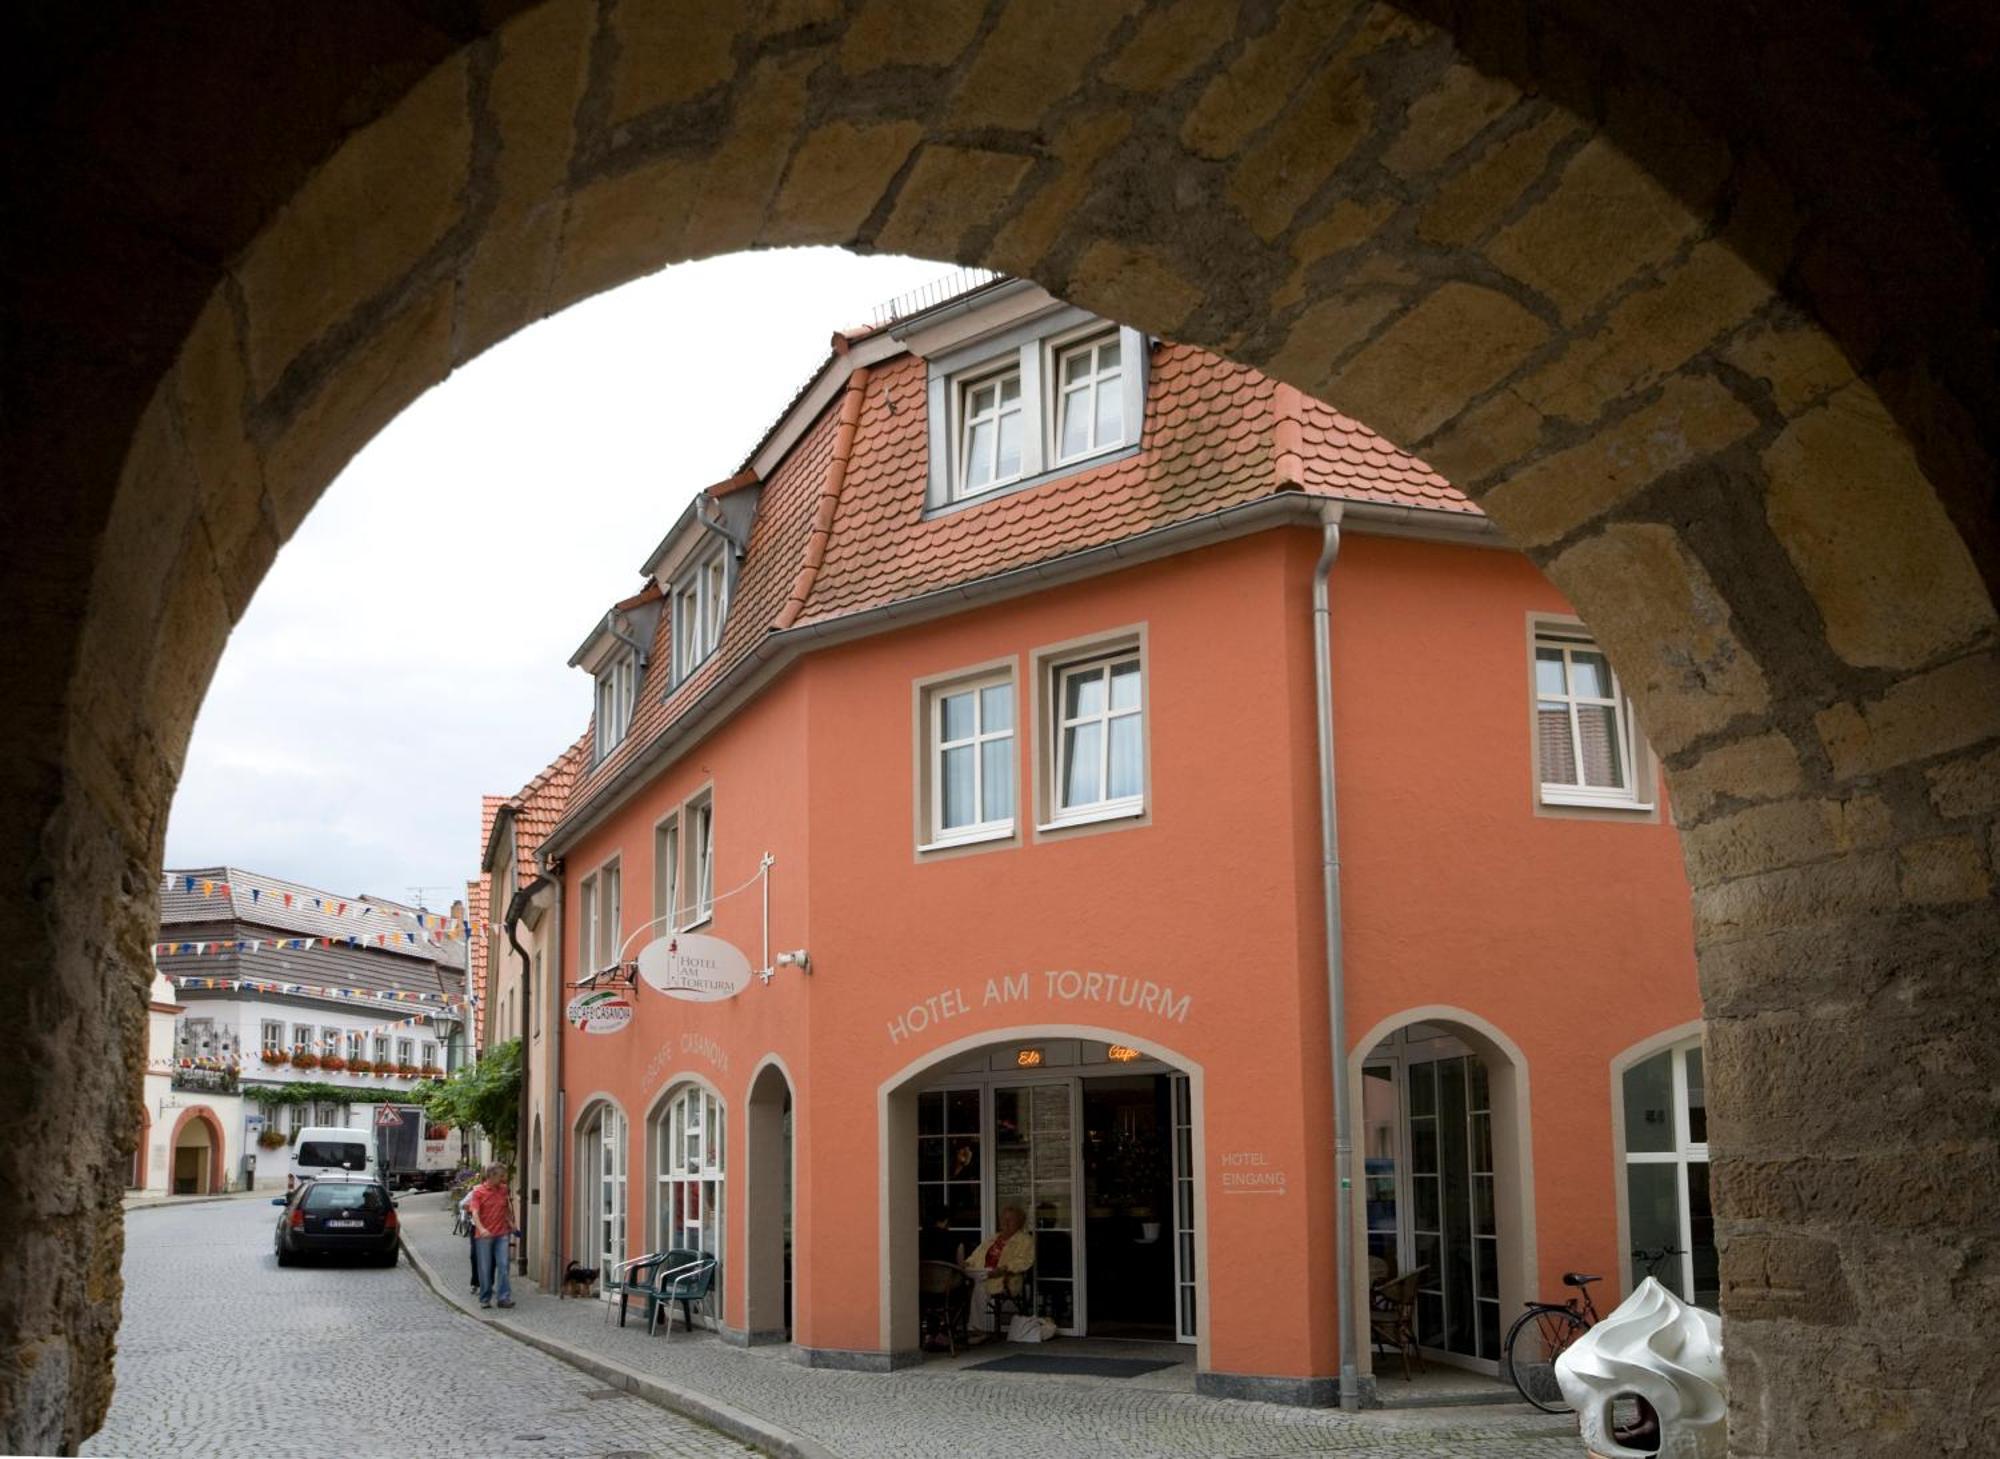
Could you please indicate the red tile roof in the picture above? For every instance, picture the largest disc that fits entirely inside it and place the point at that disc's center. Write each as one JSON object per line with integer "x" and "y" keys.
{"x": 1212, "y": 440}
{"x": 476, "y": 902}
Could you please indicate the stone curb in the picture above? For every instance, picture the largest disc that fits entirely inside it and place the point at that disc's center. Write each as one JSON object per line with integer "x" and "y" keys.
{"x": 752, "y": 1429}
{"x": 152, "y": 1203}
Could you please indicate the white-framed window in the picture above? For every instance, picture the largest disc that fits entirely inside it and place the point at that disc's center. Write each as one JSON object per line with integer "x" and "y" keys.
{"x": 406, "y": 1051}
{"x": 667, "y": 871}
{"x": 357, "y": 1048}
{"x": 698, "y": 868}
{"x": 1099, "y": 738}
{"x": 1051, "y": 395}
{"x": 302, "y": 1038}
{"x": 1586, "y": 750}
{"x": 430, "y": 1055}
{"x": 971, "y": 749}
{"x": 1089, "y": 412}
{"x": 701, "y": 603}
{"x": 1666, "y": 1173}
{"x": 274, "y": 1037}
{"x": 990, "y": 426}
{"x": 617, "y": 692}
{"x": 603, "y": 916}
{"x": 690, "y": 1156}
{"x": 383, "y": 1053}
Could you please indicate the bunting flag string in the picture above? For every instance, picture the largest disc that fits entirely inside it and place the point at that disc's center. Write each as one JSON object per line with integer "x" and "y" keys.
{"x": 286, "y": 944}
{"x": 368, "y": 995}
{"x": 455, "y": 928}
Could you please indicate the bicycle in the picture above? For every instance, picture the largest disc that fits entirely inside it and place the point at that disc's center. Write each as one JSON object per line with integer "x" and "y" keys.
{"x": 1539, "y": 1335}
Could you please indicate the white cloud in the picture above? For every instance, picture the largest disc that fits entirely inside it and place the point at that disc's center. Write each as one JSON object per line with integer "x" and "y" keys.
{"x": 408, "y": 650}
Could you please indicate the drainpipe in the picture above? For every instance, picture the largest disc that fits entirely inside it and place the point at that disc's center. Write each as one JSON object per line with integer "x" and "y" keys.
{"x": 521, "y": 1143}
{"x": 737, "y": 545}
{"x": 614, "y": 624}
{"x": 1336, "y": 994}
{"x": 555, "y": 1138}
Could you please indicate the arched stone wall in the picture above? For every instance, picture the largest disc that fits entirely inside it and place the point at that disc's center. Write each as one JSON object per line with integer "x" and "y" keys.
{"x": 1702, "y": 314}
{"x": 197, "y": 1114}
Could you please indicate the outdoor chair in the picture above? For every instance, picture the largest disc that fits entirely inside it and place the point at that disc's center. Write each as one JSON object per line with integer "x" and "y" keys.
{"x": 944, "y": 1303}
{"x": 687, "y": 1278}
{"x": 634, "y": 1278}
{"x": 1016, "y": 1298}
{"x": 1392, "y": 1317}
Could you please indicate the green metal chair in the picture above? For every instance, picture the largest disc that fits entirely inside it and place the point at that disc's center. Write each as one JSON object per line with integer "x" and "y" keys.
{"x": 635, "y": 1278}
{"x": 687, "y": 1278}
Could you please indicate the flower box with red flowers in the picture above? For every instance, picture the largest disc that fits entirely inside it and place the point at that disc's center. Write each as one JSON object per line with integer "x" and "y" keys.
{"x": 276, "y": 1056}
{"x": 334, "y": 1063}
{"x": 305, "y": 1061}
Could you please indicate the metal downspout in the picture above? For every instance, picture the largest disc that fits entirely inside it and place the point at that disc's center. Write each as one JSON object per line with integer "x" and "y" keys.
{"x": 556, "y": 1137}
{"x": 522, "y": 1149}
{"x": 1336, "y": 994}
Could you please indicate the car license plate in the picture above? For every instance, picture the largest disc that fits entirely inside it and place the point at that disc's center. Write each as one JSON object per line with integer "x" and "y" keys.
{"x": 344, "y": 1225}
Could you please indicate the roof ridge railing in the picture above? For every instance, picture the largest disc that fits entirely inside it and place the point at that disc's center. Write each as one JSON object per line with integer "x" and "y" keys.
{"x": 940, "y": 290}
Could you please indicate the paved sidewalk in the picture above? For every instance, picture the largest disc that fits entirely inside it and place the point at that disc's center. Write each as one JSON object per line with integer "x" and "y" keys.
{"x": 146, "y": 1200}
{"x": 761, "y": 1395}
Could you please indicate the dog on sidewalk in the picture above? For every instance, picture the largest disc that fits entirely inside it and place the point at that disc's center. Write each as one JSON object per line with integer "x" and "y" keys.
{"x": 578, "y": 1281}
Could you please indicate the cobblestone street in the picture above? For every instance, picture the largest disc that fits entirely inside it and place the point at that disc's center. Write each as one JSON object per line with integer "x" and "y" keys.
{"x": 223, "y": 1354}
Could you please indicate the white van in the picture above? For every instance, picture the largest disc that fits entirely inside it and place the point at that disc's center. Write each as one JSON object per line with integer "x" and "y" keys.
{"x": 329, "y": 1149}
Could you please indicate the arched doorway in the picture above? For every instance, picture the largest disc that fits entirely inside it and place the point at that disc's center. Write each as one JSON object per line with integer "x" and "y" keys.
{"x": 768, "y": 1207}
{"x": 602, "y": 1156}
{"x": 687, "y": 1144}
{"x": 1444, "y": 1177}
{"x": 1094, "y": 1137}
{"x": 196, "y": 1153}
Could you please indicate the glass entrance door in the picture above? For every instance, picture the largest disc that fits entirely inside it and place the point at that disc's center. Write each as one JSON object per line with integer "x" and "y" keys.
{"x": 1454, "y": 1233}
{"x": 1184, "y": 1247}
{"x": 1034, "y": 1167}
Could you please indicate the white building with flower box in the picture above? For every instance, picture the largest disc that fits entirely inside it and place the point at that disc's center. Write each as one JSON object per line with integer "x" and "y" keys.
{"x": 290, "y": 1006}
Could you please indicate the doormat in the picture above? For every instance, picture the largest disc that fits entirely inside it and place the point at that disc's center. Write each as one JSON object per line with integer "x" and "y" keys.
{"x": 1071, "y": 1365}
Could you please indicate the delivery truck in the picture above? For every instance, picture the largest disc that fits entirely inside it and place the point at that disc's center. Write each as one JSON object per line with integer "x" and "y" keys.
{"x": 411, "y": 1151}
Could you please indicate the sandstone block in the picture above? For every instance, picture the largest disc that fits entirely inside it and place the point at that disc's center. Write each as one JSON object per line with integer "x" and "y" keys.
{"x": 623, "y": 227}
{"x": 1420, "y": 371}
{"x": 1893, "y": 580}
{"x": 402, "y": 179}
{"x": 1024, "y": 240}
{"x": 1254, "y": 87}
{"x": 1693, "y": 416}
{"x": 1138, "y": 286}
{"x": 1825, "y": 894}
{"x": 1649, "y": 335}
{"x": 1327, "y": 330}
{"x": 908, "y": 33}
{"x": 1464, "y": 103}
{"x": 1761, "y": 767}
{"x": 1926, "y": 714}
{"x": 1171, "y": 44}
{"x": 1966, "y": 787}
{"x": 1275, "y": 176}
{"x": 835, "y": 179}
{"x": 1943, "y": 870}
{"x": 1497, "y": 432}
{"x": 950, "y": 192}
{"x": 1469, "y": 202}
{"x": 670, "y": 54}
{"x": 1783, "y": 833}
{"x": 1607, "y": 219}
{"x": 743, "y": 171}
{"x": 1668, "y": 629}
{"x": 1038, "y": 52}
{"x": 1347, "y": 224}
{"x": 1797, "y": 359}
{"x": 1770, "y": 1276}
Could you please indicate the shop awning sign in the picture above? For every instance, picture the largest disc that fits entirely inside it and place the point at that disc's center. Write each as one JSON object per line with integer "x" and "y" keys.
{"x": 599, "y": 1010}
{"x": 697, "y": 968}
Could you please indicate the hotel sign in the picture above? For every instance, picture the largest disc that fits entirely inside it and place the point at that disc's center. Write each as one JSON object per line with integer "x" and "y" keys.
{"x": 699, "y": 969}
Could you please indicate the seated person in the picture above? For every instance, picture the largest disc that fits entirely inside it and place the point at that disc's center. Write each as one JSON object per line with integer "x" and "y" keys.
{"x": 1002, "y": 1257}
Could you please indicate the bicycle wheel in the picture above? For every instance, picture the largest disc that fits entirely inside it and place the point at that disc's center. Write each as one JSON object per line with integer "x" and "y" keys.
{"x": 1528, "y": 1359}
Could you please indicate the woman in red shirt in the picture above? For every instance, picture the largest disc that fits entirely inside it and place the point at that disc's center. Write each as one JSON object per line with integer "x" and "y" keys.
{"x": 492, "y": 1227}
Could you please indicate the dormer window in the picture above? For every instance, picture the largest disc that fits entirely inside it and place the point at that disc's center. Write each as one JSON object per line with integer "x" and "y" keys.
{"x": 1056, "y": 393}
{"x": 701, "y": 601}
{"x": 617, "y": 691}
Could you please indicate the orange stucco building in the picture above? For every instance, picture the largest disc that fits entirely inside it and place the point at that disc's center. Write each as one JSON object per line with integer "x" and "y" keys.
{"x": 977, "y": 713}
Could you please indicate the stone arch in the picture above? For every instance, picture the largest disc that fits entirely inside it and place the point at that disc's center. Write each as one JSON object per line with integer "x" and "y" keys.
{"x": 202, "y": 1117}
{"x": 1729, "y": 385}
{"x": 1513, "y": 1142}
{"x": 770, "y": 1203}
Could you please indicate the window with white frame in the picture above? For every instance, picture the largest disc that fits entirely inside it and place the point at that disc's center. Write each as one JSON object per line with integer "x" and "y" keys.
{"x": 969, "y": 727}
{"x": 357, "y": 1048}
{"x": 382, "y": 1050}
{"x": 430, "y": 1056}
{"x": 667, "y": 871}
{"x": 989, "y": 432}
{"x": 701, "y": 602}
{"x": 1666, "y": 1173}
{"x": 1048, "y": 396}
{"x": 690, "y": 1160}
{"x": 1586, "y": 750}
{"x": 1090, "y": 398}
{"x": 602, "y": 917}
{"x": 698, "y": 868}
{"x": 617, "y": 692}
{"x": 329, "y": 1040}
{"x": 406, "y": 1052}
{"x": 1099, "y": 724}
{"x": 302, "y": 1038}
{"x": 274, "y": 1037}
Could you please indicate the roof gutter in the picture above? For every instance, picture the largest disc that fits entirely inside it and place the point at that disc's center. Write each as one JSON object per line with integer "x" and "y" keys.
{"x": 737, "y": 545}
{"x": 780, "y": 647}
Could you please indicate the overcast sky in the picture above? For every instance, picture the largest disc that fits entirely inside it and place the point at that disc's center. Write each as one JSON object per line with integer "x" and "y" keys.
{"x": 408, "y": 651}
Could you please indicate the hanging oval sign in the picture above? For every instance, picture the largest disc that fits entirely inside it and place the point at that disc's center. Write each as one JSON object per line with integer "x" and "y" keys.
{"x": 699, "y": 969}
{"x": 599, "y": 1011}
